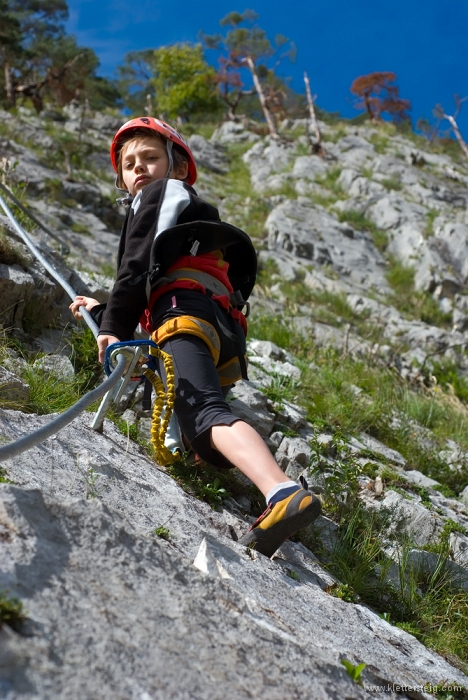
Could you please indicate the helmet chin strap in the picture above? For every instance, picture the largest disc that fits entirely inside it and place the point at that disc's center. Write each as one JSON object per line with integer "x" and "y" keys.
{"x": 169, "y": 155}
{"x": 127, "y": 197}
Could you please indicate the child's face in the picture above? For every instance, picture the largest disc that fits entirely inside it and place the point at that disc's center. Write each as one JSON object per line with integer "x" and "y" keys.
{"x": 144, "y": 160}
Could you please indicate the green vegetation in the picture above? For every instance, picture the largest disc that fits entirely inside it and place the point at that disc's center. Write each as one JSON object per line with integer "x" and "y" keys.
{"x": 11, "y": 611}
{"x": 40, "y": 61}
{"x": 426, "y": 605}
{"x": 211, "y": 485}
{"x": 49, "y": 393}
{"x": 163, "y": 532}
{"x": 334, "y": 136}
{"x": 360, "y": 222}
{"x": 184, "y": 82}
{"x": 80, "y": 228}
{"x": 414, "y": 304}
{"x": 386, "y": 407}
{"x": 292, "y": 574}
{"x": 432, "y": 214}
{"x": 3, "y": 476}
{"x": 392, "y": 183}
{"x": 330, "y": 182}
{"x": 380, "y": 142}
{"x": 353, "y": 671}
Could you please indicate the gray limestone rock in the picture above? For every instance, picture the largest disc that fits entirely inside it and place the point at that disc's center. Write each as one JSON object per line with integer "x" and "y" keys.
{"x": 416, "y": 477}
{"x": 282, "y": 369}
{"x": 316, "y": 236}
{"x": 293, "y": 449}
{"x": 309, "y": 167}
{"x": 16, "y": 288}
{"x": 100, "y": 594}
{"x": 251, "y": 405}
{"x": 12, "y": 389}
{"x": 464, "y": 496}
{"x": 208, "y": 155}
{"x": 233, "y": 132}
{"x": 459, "y": 548}
{"x": 409, "y": 516}
{"x": 267, "y": 158}
{"x": 367, "y": 442}
{"x": 56, "y": 365}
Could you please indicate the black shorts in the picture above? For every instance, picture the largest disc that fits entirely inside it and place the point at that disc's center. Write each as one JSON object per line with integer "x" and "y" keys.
{"x": 200, "y": 400}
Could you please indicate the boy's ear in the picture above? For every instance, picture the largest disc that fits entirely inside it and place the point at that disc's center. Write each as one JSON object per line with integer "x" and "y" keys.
{"x": 180, "y": 172}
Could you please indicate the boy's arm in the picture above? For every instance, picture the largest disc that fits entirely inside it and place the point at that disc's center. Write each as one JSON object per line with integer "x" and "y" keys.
{"x": 128, "y": 297}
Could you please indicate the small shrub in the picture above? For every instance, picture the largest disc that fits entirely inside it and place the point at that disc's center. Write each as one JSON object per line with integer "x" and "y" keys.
{"x": 11, "y": 611}
{"x": 3, "y": 476}
{"x": 448, "y": 376}
{"x": 163, "y": 532}
{"x": 392, "y": 183}
{"x": 292, "y": 574}
{"x": 201, "y": 480}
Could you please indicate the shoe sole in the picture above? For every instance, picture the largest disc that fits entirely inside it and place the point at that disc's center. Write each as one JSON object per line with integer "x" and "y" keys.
{"x": 268, "y": 541}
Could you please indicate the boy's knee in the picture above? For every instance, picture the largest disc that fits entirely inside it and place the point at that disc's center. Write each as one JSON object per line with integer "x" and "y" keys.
{"x": 204, "y": 449}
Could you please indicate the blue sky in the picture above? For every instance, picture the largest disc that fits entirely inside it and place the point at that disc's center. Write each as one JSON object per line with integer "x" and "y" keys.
{"x": 423, "y": 41}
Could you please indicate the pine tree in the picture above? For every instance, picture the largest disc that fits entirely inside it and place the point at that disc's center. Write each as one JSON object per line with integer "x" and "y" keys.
{"x": 246, "y": 45}
{"x": 38, "y": 58}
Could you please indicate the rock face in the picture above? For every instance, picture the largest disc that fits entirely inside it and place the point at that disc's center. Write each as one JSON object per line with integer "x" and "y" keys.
{"x": 102, "y": 592}
{"x": 134, "y": 588}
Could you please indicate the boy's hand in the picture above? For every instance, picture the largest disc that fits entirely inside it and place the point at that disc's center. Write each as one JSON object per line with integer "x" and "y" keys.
{"x": 103, "y": 341}
{"x": 87, "y": 302}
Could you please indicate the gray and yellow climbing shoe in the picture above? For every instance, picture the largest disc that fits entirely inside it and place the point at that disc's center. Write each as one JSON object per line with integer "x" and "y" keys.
{"x": 282, "y": 520}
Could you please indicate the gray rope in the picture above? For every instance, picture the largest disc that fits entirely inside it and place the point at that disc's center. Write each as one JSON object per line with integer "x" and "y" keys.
{"x": 65, "y": 249}
{"x": 33, "y": 439}
{"x": 50, "y": 268}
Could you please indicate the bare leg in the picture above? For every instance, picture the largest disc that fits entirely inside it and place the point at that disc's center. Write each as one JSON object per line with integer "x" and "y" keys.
{"x": 244, "y": 448}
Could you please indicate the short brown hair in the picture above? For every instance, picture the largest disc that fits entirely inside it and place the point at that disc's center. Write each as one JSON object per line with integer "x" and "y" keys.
{"x": 179, "y": 157}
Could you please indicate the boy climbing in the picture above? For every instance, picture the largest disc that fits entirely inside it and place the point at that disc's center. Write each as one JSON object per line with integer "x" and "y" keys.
{"x": 184, "y": 274}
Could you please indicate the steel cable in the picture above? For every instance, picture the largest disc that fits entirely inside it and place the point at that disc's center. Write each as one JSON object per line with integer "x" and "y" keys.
{"x": 50, "y": 268}
{"x": 33, "y": 439}
{"x": 65, "y": 248}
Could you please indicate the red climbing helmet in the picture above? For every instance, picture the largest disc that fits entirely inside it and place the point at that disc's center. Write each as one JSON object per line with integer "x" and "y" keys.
{"x": 161, "y": 128}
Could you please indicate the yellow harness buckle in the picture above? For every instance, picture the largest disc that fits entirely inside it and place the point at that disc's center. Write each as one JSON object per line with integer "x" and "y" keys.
{"x": 193, "y": 326}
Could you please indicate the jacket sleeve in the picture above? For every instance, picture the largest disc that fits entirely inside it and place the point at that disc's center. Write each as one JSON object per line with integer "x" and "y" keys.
{"x": 155, "y": 208}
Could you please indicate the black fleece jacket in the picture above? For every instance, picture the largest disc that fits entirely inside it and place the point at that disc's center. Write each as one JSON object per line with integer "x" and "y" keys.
{"x": 163, "y": 205}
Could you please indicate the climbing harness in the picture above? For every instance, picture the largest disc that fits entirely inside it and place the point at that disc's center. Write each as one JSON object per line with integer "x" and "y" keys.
{"x": 123, "y": 362}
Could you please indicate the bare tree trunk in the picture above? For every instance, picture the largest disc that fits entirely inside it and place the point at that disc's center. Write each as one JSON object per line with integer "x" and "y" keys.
{"x": 10, "y": 90}
{"x": 261, "y": 96}
{"x": 317, "y": 146}
{"x": 149, "y": 105}
{"x": 457, "y": 133}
